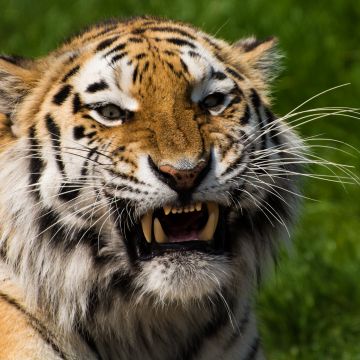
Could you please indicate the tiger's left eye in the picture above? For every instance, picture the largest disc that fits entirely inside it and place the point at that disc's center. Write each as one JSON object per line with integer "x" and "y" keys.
{"x": 213, "y": 101}
{"x": 111, "y": 112}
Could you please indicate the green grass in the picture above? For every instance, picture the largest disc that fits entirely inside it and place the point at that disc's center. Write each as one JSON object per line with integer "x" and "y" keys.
{"x": 310, "y": 307}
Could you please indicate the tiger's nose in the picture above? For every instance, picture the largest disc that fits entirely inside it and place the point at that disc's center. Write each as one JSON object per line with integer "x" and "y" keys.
{"x": 180, "y": 179}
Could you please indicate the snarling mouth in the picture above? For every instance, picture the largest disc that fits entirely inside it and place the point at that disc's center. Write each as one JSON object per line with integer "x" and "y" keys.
{"x": 194, "y": 227}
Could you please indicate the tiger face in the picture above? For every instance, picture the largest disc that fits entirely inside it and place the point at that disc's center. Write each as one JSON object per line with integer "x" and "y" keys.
{"x": 148, "y": 165}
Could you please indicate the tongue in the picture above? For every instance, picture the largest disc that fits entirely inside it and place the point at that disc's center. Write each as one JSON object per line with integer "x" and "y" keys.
{"x": 183, "y": 236}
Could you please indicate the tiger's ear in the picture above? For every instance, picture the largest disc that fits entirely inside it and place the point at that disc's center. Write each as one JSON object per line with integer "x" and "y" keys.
{"x": 17, "y": 77}
{"x": 260, "y": 55}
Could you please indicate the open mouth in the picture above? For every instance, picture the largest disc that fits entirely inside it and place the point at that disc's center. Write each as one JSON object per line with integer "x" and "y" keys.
{"x": 194, "y": 227}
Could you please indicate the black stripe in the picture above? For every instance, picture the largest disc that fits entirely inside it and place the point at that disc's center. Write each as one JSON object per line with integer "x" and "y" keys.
{"x": 36, "y": 163}
{"x": 118, "y": 57}
{"x": 220, "y": 318}
{"x": 97, "y": 86}
{"x": 254, "y": 348}
{"x": 106, "y": 43}
{"x": 256, "y": 102}
{"x": 62, "y": 94}
{"x": 246, "y": 117}
{"x": 71, "y": 73}
{"x": 173, "y": 30}
{"x": 270, "y": 118}
{"x": 241, "y": 328}
{"x": 90, "y": 342}
{"x": 40, "y": 328}
{"x": 234, "y": 73}
{"x": 135, "y": 40}
{"x": 218, "y": 75}
{"x": 77, "y": 104}
{"x": 135, "y": 74}
{"x": 78, "y": 132}
{"x": 180, "y": 42}
{"x": 54, "y": 132}
{"x": 69, "y": 191}
{"x": 115, "y": 49}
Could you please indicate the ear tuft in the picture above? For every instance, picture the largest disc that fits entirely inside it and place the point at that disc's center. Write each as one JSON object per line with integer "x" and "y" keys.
{"x": 17, "y": 76}
{"x": 261, "y": 55}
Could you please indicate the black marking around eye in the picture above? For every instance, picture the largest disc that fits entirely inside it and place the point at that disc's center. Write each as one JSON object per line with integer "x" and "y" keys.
{"x": 106, "y": 43}
{"x": 71, "y": 73}
{"x": 218, "y": 75}
{"x": 77, "y": 104}
{"x": 55, "y": 135}
{"x": 180, "y": 42}
{"x": 62, "y": 94}
{"x": 97, "y": 86}
{"x": 234, "y": 73}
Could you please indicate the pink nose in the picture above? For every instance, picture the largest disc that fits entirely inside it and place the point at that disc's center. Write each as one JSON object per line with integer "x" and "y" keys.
{"x": 184, "y": 179}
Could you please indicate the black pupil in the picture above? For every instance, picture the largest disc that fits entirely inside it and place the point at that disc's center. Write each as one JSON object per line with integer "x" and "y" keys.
{"x": 213, "y": 100}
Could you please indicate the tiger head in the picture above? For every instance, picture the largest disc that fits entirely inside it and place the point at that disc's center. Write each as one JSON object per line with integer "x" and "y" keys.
{"x": 143, "y": 164}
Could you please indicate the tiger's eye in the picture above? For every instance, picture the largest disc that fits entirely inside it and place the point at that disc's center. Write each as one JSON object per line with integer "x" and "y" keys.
{"x": 213, "y": 100}
{"x": 111, "y": 112}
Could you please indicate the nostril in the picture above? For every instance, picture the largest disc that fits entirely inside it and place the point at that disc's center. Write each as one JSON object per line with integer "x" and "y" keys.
{"x": 181, "y": 179}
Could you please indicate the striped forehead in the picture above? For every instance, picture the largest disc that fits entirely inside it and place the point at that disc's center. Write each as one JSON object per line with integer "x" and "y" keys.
{"x": 109, "y": 75}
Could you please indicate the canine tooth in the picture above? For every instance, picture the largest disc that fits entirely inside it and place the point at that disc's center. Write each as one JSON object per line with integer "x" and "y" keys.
{"x": 207, "y": 232}
{"x": 167, "y": 209}
{"x": 160, "y": 236}
{"x": 146, "y": 223}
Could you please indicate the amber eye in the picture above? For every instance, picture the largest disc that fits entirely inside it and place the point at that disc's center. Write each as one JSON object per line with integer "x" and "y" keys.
{"x": 113, "y": 112}
{"x": 213, "y": 101}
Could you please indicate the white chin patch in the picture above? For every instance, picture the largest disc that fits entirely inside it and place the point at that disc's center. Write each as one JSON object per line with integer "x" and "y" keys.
{"x": 183, "y": 277}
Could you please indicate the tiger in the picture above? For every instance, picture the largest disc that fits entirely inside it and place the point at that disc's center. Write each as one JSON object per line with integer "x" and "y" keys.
{"x": 144, "y": 193}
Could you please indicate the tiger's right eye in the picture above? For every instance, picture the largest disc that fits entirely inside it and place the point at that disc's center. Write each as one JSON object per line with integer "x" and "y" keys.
{"x": 113, "y": 112}
{"x": 213, "y": 101}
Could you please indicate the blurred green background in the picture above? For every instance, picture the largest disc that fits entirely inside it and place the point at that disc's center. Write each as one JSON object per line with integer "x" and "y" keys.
{"x": 310, "y": 307}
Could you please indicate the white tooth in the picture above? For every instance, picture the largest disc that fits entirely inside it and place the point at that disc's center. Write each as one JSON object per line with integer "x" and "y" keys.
{"x": 160, "y": 236}
{"x": 179, "y": 210}
{"x": 186, "y": 209}
{"x": 207, "y": 232}
{"x": 191, "y": 208}
{"x": 146, "y": 223}
{"x": 198, "y": 206}
{"x": 173, "y": 211}
{"x": 167, "y": 209}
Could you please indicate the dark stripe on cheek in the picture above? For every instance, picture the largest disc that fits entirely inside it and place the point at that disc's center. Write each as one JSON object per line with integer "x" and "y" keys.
{"x": 62, "y": 94}
{"x": 77, "y": 104}
{"x": 218, "y": 75}
{"x": 256, "y": 102}
{"x": 97, "y": 86}
{"x": 180, "y": 42}
{"x": 71, "y": 73}
{"x": 118, "y": 57}
{"x": 79, "y": 132}
{"x": 106, "y": 43}
{"x": 270, "y": 117}
{"x": 54, "y": 132}
{"x": 135, "y": 73}
{"x": 246, "y": 117}
{"x": 36, "y": 164}
{"x": 69, "y": 191}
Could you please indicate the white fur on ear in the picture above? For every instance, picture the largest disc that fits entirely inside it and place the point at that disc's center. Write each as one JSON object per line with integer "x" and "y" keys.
{"x": 262, "y": 55}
